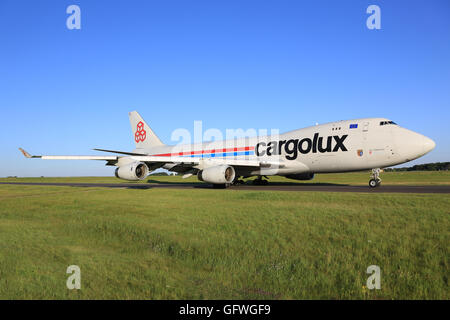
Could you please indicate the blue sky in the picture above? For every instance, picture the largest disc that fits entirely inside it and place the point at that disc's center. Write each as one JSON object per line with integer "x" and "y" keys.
{"x": 232, "y": 64}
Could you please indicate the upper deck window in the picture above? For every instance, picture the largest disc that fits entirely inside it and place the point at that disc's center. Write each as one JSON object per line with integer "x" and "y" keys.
{"x": 383, "y": 123}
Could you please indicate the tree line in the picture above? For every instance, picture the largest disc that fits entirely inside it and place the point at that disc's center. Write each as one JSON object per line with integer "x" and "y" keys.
{"x": 435, "y": 166}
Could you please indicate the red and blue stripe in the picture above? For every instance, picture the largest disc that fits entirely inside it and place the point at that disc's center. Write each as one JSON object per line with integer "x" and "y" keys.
{"x": 212, "y": 153}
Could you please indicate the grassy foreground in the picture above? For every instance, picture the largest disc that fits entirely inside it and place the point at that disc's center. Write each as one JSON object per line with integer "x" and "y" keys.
{"x": 352, "y": 178}
{"x": 211, "y": 244}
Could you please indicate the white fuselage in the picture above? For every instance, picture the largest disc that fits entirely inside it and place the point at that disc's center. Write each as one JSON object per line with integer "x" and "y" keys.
{"x": 341, "y": 146}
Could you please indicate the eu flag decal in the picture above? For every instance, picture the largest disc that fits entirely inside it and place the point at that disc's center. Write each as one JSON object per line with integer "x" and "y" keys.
{"x": 353, "y": 126}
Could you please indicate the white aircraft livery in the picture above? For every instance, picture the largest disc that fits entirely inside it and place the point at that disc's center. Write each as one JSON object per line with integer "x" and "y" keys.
{"x": 342, "y": 146}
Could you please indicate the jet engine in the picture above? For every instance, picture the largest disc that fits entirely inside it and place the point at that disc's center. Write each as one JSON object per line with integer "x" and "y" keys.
{"x": 133, "y": 171}
{"x": 222, "y": 174}
{"x": 301, "y": 176}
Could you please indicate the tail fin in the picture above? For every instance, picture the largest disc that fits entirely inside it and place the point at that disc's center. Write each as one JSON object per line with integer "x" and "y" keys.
{"x": 143, "y": 135}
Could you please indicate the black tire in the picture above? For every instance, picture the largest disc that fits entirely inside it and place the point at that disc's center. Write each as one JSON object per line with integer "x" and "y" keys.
{"x": 219, "y": 186}
{"x": 373, "y": 183}
{"x": 256, "y": 182}
{"x": 260, "y": 182}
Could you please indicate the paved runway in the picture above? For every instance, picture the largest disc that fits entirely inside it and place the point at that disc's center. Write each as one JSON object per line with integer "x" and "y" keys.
{"x": 271, "y": 186}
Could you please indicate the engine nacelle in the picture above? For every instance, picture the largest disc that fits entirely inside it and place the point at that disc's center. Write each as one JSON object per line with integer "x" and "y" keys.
{"x": 301, "y": 176}
{"x": 133, "y": 171}
{"x": 217, "y": 175}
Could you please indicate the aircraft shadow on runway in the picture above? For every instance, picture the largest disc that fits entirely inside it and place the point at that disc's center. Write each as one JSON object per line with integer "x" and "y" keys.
{"x": 311, "y": 184}
{"x": 175, "y": 182}
{"x": 203, "y": 185}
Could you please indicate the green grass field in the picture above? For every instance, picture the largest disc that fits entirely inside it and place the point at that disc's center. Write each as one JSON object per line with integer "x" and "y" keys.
{"x": 354, "y": 178}
{"x": 224, "y": 244}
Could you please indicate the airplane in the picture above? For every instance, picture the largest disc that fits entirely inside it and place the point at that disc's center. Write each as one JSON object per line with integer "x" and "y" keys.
{"x": 341, "y": 146}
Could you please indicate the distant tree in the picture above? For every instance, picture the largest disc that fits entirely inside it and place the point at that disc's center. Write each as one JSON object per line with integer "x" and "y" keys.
{"x": 435, "y": 166}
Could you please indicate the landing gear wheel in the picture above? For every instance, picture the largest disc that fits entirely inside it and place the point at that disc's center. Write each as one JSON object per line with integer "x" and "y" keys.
{"x": 260, "y": 182}
{"x": 220, "y": 186}
{"x": 375, "y": 180}
{"x": 373, "y": 183}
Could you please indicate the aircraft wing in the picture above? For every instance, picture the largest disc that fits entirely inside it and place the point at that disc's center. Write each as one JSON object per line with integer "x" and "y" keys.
{"x": 185, "y": 161}
{"x": 196, "y": 161}
{"x": 121, "y": 152}
{"x": 106, "y": 158}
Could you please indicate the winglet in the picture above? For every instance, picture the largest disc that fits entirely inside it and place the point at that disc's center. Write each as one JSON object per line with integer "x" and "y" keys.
{"x": 26, "y": 154}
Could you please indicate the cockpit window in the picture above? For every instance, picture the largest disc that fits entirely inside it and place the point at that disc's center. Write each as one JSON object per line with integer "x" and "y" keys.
{"x": 383, "y": 123}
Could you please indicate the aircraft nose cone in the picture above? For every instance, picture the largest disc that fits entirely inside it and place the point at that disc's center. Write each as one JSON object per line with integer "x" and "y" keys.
{"x": 428, "y": 144}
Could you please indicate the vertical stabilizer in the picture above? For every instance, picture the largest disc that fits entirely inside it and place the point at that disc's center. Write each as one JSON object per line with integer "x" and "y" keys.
{"x": 143, "y": 135}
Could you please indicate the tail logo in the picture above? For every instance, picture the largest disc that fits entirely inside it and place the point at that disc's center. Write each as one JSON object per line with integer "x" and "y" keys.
{"x": 140, "y": 134}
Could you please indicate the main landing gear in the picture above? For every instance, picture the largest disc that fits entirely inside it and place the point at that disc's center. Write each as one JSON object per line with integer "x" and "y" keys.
{"x": 375, "y": 180}
{"x": 236, "y": 181}
{"x": 260, "y": 181}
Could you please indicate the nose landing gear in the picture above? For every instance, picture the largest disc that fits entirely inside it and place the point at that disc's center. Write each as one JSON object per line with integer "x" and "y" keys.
{"x": 375, "y": 180}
